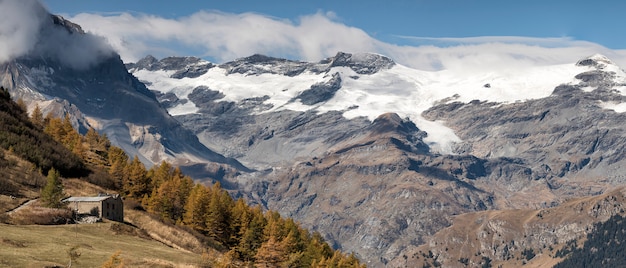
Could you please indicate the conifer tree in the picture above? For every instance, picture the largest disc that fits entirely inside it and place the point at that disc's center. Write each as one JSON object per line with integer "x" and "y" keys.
{"x": 252, "y": 235}
{"x": 270, "y": 254}
{"x": 54, "y": 128}
{"x": 117, "y": 160}
{"x": 218, "y": 215}
{"x": 52, "y": 193}
{"x": 37, "y": 117}
{"x": 168, "y": 200}
{"x": 71, "y": 138}
{"x": 196, "y": 208}
{"x": 136, "y": 183}
{"x": 160, "y": 174}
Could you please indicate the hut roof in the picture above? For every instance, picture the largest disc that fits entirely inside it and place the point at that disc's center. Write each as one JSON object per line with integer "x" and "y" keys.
{"x": 86, "y": 198}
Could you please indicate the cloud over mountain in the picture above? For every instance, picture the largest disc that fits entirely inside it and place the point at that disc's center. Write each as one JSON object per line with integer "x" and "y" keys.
{"x": 28, "y": 28}
{"x": 226, "y": 36}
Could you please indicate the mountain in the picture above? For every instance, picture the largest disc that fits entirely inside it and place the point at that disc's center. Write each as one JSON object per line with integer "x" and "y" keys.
{"x": 521, "y": 237}
{"x": 100, "y": 93}
{"x": 379, "y": 157}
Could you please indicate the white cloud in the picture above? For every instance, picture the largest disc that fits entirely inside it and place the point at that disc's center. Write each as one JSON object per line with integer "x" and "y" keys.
{"x": 21, "y": 21}
{"x": 225, "y": 36}
{"x": 28, "y": 29}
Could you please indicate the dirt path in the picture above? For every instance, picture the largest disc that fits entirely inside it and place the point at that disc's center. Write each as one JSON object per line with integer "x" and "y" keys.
{"x": 25, "y": 204}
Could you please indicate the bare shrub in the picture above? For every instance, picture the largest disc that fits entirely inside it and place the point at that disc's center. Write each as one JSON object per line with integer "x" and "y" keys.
{"x": 4, "y": 218}
{"x": 133, "y": 204}
{"x": 29, "y": 175}
{"x": 101, "y": 178}
{"x": 14, "y": 243}
{"x": 6, "y": 186}
{"x": 125, "y": 229}
{"x": 41, "y": 216}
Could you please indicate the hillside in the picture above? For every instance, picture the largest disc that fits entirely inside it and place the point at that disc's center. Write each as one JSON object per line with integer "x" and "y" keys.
{"x": 19, "y": 135}
{"x": 161, "y": 203}
{"x": 45, "y": 246}
{"x": 514, "y": 238}
{"x": 602, "y": 247}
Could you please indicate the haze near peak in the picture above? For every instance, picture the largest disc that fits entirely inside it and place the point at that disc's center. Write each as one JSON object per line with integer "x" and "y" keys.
{"x": 28, "y": 29}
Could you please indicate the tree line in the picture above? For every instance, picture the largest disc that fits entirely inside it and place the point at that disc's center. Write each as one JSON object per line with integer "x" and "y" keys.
{"x": 604, "y": 246}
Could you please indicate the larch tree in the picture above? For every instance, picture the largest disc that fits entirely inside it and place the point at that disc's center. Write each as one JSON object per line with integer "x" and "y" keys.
{"x": 272, "y": 252}
{"x": 160, "y": 174}
{"x": 196, "y": 208}
{"x": 37, "y": 117}
{"x": 136, "y": 183}
{"x": 117, "y": 160}
{"x": 218, "y": 215}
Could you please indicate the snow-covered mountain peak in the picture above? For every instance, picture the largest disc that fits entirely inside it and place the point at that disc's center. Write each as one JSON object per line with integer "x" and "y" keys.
{"x": 258, "y": 64}
{"x": 597, "y": 60}
{"x": 361, "y": 63}
{"x": 180, "y": 67}
{"x": 603, "y": 73}
{"x": 357, "y": 85}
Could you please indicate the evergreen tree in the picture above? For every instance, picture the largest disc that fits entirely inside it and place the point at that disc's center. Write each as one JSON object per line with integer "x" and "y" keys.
{"x": 52, "y": 193}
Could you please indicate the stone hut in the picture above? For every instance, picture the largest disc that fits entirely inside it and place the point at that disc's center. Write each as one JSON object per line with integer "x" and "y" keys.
{"x": 103, "y": 206}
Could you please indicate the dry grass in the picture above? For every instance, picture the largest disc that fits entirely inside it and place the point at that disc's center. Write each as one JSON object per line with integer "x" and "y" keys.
{"x": 168, "y": 234}
{"x": 39, "y": 246}
{"x": 8, "y": 203}
{"x": 76, "y": 187}
{"x": 19, "y": 182}
{"x": 40, "y": 215}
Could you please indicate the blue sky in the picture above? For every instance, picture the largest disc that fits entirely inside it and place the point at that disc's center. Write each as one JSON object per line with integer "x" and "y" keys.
{"x": 387, "y": 24}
